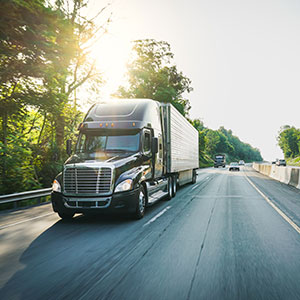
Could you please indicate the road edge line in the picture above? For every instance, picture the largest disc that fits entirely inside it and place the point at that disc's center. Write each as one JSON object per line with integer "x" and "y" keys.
{"x": 280, "y": 212}
{"x": 24, "y": 221}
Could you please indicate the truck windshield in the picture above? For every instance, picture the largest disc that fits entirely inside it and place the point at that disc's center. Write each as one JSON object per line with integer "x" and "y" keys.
{"x": 93, "y": 142}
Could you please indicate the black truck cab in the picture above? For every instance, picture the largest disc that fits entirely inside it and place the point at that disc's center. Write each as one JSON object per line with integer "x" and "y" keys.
{"x": 119, "y": 163}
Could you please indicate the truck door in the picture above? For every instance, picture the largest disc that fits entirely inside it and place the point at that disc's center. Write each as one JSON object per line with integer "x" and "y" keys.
{"x": 147, "y": 138}
{"x": 146, "y": 149}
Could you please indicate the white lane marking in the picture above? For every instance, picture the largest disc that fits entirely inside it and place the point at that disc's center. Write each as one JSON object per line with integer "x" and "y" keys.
{"x": 157, "y": 216}
{"x": 198, "y": 184}
{"x": 195, "y": 186}
{"x": 282, "y": 214}
{"x": 27, "y": 220}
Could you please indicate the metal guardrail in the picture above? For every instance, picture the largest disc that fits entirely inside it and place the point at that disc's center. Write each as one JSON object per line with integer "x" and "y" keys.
{"x": 25, "y": 195}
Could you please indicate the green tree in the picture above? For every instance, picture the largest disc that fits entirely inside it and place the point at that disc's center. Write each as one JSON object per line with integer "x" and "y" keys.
{"x": 44, "y": 58}
{"x": 212, "y": 141}
{"x": 151, "y": 74}
{"x": 28, "y": 51}
{"x": 198, "y": 124}
{"x": 76, "y": 68}
{"x": 223, "y": 141}
{"x": 238, "y": 150}
{"x": 289, "y": 141}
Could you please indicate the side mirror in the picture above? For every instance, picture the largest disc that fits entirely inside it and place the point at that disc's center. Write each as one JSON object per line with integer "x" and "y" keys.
{"x": 154, "y": 145}
{"x": 69, "y": 147}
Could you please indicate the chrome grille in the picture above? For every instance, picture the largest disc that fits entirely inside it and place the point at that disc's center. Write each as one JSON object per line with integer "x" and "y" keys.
{"x": 85, "y": 180}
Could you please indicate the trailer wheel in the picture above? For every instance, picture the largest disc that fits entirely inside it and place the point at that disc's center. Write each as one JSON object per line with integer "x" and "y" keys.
{"x": 174, "y": 187}
{"x": 194, "y": 178}
{"x": 66, "y": 216}
{"x": 169, "y": 188}
{"x": 140, "y": 204}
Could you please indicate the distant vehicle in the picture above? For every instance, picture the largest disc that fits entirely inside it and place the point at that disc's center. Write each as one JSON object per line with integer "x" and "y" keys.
{"x": 241, "y": 163}
{"x": 234, "y": 166}
{"x": 281, "y": 162}
{"x": 273, "y": 162}
{"x": 129, "y": 154}
{"x": 219, "y": 161}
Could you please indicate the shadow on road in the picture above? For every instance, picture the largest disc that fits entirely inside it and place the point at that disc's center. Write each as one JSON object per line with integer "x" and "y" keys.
{"x": 70, "y": 255}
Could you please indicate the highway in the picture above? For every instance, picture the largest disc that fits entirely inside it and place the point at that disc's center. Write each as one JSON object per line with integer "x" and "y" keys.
{"x": 232, "y": 235}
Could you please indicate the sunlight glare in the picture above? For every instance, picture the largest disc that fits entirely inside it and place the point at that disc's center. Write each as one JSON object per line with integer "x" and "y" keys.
{"x": 111, "y": 55}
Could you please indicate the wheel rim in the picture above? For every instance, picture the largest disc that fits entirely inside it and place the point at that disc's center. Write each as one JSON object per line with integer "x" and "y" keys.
{"x": 170, "y": 186}
{"x": 174, "y": 186}
{"x": 142, "y": 202}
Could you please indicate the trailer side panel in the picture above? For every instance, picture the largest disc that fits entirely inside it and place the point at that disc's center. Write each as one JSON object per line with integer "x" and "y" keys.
{"x": 183, "y": 142}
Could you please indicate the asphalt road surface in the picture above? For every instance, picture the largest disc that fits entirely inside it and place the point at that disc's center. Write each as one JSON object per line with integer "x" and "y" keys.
{"x": 232, "y": 235}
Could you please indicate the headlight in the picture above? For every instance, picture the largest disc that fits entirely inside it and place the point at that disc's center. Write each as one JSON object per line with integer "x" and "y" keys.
{"x": 125, "y": 185}
{"x": 56, "y": 186}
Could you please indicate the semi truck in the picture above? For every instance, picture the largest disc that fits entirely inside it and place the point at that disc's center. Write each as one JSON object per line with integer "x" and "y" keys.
{"x": 129, "y": 154}
{"x": 220, "y": 160}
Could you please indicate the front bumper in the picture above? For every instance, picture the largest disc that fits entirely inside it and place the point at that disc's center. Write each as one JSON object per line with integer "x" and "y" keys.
{"x": 119, "y": 202}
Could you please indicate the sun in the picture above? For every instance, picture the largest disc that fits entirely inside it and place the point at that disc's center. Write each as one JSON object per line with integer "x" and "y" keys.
{"x": 111, "y": 55}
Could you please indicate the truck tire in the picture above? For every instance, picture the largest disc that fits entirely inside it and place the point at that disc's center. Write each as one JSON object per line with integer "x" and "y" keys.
{"x": 169, "y": 188}
{"x": 194, "y": 178}
{"x": 66, "y": 216}
{"x": 140, "y": 204}
{"x": 174, "y": 186}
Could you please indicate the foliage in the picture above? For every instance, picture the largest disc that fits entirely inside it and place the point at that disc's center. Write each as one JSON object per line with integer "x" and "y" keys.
{"x": 289, "y": 141}
{"x": 293, "y": 161}
{"x": 44, "y": 59}
{"x": 236, "y": 149}
{"x": 152, "y": 75}
{"x": 212, "y": 142}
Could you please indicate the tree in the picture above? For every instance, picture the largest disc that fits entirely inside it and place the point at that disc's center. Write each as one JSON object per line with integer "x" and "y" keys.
{"x": 212, "y": 140}
{"x": 28, "y": 51}
{"x": 151, "y": 74}
{"x": 44, "y": 58}
{"x": 289, "y": 141}
{"x": 223, "y": 141}
{"x": 76, "y": 68}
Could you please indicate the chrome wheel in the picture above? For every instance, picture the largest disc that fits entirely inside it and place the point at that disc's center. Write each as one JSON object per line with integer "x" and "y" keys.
{"x": 142, "y": 202}
{"x": 174, "y": 186}
{"x": 169, "y": 188}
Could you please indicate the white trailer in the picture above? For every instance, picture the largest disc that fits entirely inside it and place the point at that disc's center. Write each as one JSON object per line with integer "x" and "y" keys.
{"x": 182, "y": 145}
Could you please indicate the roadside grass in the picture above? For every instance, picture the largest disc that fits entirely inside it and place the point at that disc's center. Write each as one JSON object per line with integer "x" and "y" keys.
{"x": 205, "y": 161}
{"x": 293, "y": 161}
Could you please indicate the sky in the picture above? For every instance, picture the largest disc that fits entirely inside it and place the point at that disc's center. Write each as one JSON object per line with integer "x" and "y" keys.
{"x": 243, "y": 58}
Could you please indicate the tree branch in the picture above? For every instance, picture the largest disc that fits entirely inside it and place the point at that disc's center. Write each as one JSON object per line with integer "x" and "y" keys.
{"x": 83, "y": 80}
